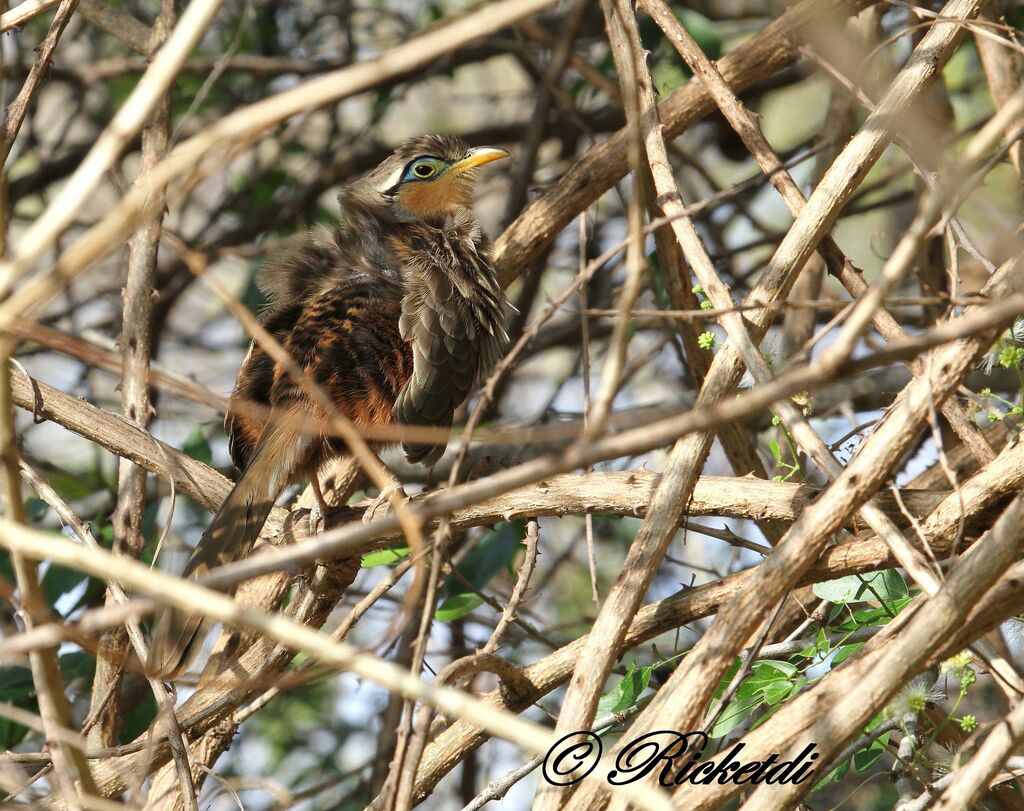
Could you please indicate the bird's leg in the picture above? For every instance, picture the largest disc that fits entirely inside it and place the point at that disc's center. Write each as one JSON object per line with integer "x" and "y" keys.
{"x": 382, "y": 502}
{"x": 318, "y": 514}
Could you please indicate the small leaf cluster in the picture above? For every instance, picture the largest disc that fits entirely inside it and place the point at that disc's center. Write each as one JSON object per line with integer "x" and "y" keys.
{"x": 706, "y": 340}
{"x": 1000, "y": 407}
{"x": 787, "y": 463}
{"x": 859, "y": 602}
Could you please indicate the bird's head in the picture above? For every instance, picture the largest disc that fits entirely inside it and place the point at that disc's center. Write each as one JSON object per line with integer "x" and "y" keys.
{"x": 426, "y": 178}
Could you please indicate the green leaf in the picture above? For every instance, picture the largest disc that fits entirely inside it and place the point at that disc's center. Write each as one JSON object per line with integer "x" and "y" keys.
{"x": 875, "y": 615}
{"x": 77, "y": 665}
{"x": 737, "y": 711}
{"x": 776, "y": 691}
{"x": 756, "y": 681}
{"x": 770, "y": 680}
{"x": 490, "y": 557}
{"x": 36, "y": 509}
{"x": 776, "y": 666}
{"x": 138, "y": 719}
{"x": 668, "y": 76}
{"x": 776, "y": 452}
{"x": 627, "y": 692}
{"x": 728, "y": 677}
{"x": 17, "y": 688}
{"x": 7, "y": 568}
{"x": 895, "y": 587}
{"x": 845, "y": 652}
{"x": 702, "y": 29}
{"x": 837, "y": 774}
{"x": 842, "y": 590}
{"x": 882, "y": 586}
{"x": 72, "y": 487}
{"x": 865, "y": 758}
{"x": 59, "y": 581}
{"x": 385, "y": 557}
{"x": 457, "y": 606}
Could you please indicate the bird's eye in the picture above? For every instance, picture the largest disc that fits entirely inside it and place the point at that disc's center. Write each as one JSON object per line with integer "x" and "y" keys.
{"x": 423, "y": 170}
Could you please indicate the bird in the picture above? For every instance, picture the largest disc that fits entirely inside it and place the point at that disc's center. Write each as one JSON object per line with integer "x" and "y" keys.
{"x": 395, "y": 312}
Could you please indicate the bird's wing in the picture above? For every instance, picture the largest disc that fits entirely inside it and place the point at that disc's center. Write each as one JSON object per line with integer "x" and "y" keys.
{"x": 444, "y": 360}
{"x": 452, "y": 316}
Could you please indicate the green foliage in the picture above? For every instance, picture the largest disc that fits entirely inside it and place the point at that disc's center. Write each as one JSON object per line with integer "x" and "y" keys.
{"x": 769, "y": 683}
{"x": 860, "y": 602}
{"x": 385, "y": 557}
{"x": 16, "y": 688}
{"x": 286, "y": 724}
{"x": 865, "y": 602}
{"x": 668, "y": 70}
{"x": 628, "y": 691}
{"x": 703, "y": 30}
{"x": 492, "y": 555}
{"x": 887, "y": 586}
{"x": 630, "y": 688}
{"x": 139, "y": 716}
{"x": 1007, "y": 353}
{"x": 120, "y": 87}
{"x": 457, "y": 606}
{"x": 59, "y": 581}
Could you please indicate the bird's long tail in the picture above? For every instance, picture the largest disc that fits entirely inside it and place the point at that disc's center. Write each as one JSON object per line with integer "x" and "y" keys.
{"x": 230, "y": 536}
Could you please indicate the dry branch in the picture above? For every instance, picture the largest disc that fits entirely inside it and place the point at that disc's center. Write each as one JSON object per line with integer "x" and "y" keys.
{"x": 239, "y": 127}
{"x": 237, "y": 180}
{"x": 181, "y": 594}
{"x": 990, "y": 486}
{"x": 838, "y": 707}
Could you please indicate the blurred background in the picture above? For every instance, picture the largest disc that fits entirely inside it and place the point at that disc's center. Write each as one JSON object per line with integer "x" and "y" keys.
{"x": 318, "y": 745}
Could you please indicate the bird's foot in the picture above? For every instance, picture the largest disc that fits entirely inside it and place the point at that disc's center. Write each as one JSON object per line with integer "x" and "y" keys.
{"x": 317, "y": 519}
{"x": 380, "y": 505}
{"x": 318, "y": 512}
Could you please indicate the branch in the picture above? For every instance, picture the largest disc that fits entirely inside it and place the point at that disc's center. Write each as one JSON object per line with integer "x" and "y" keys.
{"x": 185, "y": 595}
{"x": 236, "y": 128}
{"x": 135, "y": 111}
{"x": 853, "y": 692}
{"x": 17, "y": 110}
{"x": 999, "y": 479}
{"x": 767, "y": 52}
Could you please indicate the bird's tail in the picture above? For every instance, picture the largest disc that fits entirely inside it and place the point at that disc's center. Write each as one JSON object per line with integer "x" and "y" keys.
{"x": 230, "y": 536}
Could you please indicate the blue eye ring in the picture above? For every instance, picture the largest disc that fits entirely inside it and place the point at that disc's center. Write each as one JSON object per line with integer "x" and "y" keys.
{"x": 423, "y": 169}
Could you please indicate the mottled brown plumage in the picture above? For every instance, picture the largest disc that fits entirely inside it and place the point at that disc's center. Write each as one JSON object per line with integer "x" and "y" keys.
{"x": 395, "y": 313}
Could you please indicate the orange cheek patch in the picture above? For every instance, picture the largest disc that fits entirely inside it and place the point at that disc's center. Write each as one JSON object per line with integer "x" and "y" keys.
{"x": 424, "y": 198}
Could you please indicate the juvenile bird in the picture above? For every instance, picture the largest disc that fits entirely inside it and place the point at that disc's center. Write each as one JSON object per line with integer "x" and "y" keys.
{"x": 395, "y": 312}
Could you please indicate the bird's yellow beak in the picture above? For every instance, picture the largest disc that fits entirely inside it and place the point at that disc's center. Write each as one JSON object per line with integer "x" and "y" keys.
{"x": 478, "y": 157}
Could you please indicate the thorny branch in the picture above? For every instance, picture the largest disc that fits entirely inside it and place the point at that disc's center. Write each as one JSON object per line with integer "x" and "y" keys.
{"x": 150, "y": 156}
